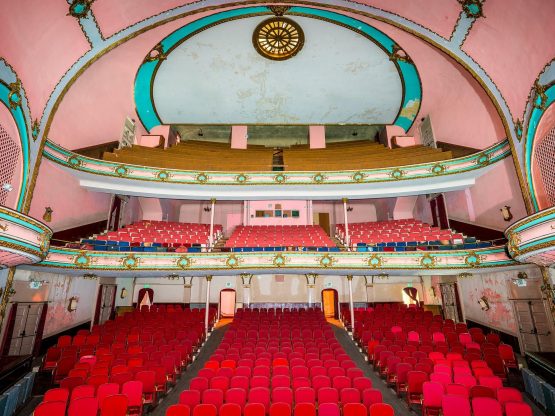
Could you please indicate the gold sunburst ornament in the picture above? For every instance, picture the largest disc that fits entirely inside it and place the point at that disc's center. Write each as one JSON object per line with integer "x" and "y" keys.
{"x": 278, "y": 38}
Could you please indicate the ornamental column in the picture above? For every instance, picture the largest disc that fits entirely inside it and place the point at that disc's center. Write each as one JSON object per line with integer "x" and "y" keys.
{"x": 211, "y": 240}
{"x": 187, "y": 285}
{"x": 311, "y": 285}
{"x": 246, "y": 284}
{"x": 347, "y": 236}
{"x": 351, "y": 305}
{"x": 208, "y": 280}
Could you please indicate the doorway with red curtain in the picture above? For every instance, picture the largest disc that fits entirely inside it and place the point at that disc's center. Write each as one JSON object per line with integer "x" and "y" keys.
{"x": 145, "y": 298}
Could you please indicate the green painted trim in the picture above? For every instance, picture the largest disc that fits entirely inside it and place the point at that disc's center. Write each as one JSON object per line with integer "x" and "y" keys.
{"x": 534, "y": 121}
{"x": 408, "y": 74}
{"x": 22, "y": 128}
{"x": 479, "y": 160}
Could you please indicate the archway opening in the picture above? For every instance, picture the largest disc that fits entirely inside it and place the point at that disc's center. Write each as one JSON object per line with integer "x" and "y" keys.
{"x": 227, "y": 303}
{"x": 330, "y": 300}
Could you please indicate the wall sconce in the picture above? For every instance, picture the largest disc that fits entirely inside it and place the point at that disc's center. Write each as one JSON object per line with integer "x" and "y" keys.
{"x": 506, "y": 212}
{"x": 200, "y": 133}
{"x": 123, "y": 293}
{"x": 90, "y": 276}
{"x": 484, "y": 304}
{"x": 465, "y": 275}
{"x": 207, "y": 209}
{"x": 72, "y": 305}
{"x": 522, "y": 275}
{"x": 349, "y": 209}
{"x": 382, "y": 276}
{"x": 47, "y": 216}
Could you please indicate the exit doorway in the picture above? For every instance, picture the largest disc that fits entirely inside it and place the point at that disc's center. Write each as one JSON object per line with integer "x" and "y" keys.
{"x": 330, "y": 301}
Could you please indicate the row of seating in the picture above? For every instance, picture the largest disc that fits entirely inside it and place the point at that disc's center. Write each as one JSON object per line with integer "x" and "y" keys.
{"x": 279, "y": 236}
{"x": 362, "y": 154}
{"x": 155, "y": 236}
{"x": 196, "y": 155}
{"x": 124, "y": 363}
{"x": 280, "y": 362}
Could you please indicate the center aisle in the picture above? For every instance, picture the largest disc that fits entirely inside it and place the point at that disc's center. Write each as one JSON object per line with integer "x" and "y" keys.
{"x": 389, "y": 396}
{"x": 204, "y": 355}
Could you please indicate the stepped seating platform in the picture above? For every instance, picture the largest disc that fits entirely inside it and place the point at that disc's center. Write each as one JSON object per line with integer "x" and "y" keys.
{"x": 405, "y": 235}
{"x": 196, "y": 155}
{"x": 280, "y": 363}
{"x": 155, "y": 236}
{"x": 280, "y": 238}
{"x": 213, "y": 156}
{"x": 357, "y": 155}
{"x": 438, "y": 364}
{"x": 124, "y": 365}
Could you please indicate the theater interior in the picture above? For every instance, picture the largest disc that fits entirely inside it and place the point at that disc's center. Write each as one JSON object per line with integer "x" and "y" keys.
{"x": 300, "y": 208}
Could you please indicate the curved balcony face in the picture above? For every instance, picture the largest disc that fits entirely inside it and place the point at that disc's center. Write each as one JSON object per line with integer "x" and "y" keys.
{"x": 126, "y": 179}
{"x": 281, "y": 262}
{"x": 532, "y": 239}
{"x": 23, "y": 240}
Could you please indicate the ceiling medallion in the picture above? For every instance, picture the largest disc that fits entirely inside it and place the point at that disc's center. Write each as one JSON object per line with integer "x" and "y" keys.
{"x": 278, "y": 38}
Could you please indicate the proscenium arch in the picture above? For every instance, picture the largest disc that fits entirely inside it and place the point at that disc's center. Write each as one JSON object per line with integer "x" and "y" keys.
{"x": 411, "y": 85}
{"x": 366, "y": 11}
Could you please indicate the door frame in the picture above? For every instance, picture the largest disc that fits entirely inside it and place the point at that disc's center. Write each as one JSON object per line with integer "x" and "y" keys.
{"x": 227, "y": 289}
{"x": 335, "y": 301}
{"x": 10, "y": 326}
{"x": 458, "y": 305}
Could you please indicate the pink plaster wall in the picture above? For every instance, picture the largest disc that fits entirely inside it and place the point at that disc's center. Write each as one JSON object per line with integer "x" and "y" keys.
{"x": 193, "y": 211}
{"x": 461, "y": 111}
{"x": 438, "y": 15}
{"x": 317, "y": 137}
{"x": 72, "y": 205}
{"x": 40, "y": 42}
{"x": 151, "y": 208}
{"x": 8, "y": 124}
{"x": 105, "y": 94}
{"x": 491, "y": 192}
{"x": 495, "y": 287}
{"x": 513, "y": 43}
{"x": 114, "y": 15}
{"x": 404, "y": 207}
{"x": 239, "y": 136}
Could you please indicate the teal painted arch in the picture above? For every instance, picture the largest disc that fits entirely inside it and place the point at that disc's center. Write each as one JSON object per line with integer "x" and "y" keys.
{"x": 412, "y": 86}
{"x": 19, "y": 119}
{"x": 536, "y": 115}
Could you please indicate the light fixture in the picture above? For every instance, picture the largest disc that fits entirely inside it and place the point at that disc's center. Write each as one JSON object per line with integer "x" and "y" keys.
{"x": 36, "y": 284}
{"x": 506, "y": 212}
{"x": 484, "y": 304}
{"x": 7, "y": 187}
{"x": 200, "y": 133}
{"x": 72, "y": 304}
{"x": 349, "y": 209}
{"x": 465, "y": 275}
{"x": 90, "y": 276}
{"x": 123, "y": 293}
{"x": 207, "y": 209}
{"x": 173, "y": 276}
{"x": 47, "y": 216}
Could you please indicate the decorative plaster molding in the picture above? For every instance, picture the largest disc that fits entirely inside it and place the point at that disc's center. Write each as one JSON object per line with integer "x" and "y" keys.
{"x": 306, "y": 262}
{"x": 23, "y": 240}
{"x": 224, "y": 185}
{"x": 532, "y": 239}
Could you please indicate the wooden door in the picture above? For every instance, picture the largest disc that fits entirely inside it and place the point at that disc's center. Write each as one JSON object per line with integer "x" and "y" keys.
{"x": 324, "y": 221}
{"x": 329, "y": 303}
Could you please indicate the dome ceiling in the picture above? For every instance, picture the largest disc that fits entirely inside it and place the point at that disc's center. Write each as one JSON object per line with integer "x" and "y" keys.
{"x": 211, "y": 73}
